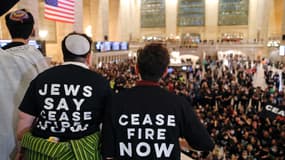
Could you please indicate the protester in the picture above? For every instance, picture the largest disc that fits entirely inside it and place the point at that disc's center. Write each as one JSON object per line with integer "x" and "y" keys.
{"x": 20, "y": 63}
{"x": 146, "y": 121}
{"x": 64, "y": 104}
{"x": 7, "y": 105}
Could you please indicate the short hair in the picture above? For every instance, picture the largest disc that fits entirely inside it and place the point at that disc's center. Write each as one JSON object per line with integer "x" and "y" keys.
{"x": 75, "y": 46}
{"x": 20, "y": 23}
{"x": 152, "y": 61}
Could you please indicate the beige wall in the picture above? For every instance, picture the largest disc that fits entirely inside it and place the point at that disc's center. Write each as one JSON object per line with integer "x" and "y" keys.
{"x": 171, "y": 17}
{"x": 114, "y": 19}
{"x": 129, "y": 20}
{"x": 283, "y": 22}
{"x": 120, "y": 20}
{"x": 211, "y": 20}
{"x": 276, "y": 14}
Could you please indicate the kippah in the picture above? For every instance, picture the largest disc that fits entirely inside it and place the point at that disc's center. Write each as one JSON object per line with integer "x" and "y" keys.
{"x": 77, "y": 44}
{"x": 20, "y": 23}
{"x": 20, "y": 16}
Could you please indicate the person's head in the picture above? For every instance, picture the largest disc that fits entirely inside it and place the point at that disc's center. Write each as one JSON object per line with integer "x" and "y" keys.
{"x": 20, "y": 24}
{"x": 152, "y": 62}
{"x": 76, "y": 47}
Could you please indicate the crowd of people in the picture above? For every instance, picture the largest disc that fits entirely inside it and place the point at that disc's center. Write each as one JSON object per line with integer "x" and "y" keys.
{"x": 227, "y": 102}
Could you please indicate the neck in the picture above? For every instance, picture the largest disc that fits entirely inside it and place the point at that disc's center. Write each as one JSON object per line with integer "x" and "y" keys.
{"x": 25, "y": 41}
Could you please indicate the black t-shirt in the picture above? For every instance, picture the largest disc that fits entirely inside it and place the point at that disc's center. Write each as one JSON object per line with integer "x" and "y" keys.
{"x": 145, "y": 122}
{"x": 68, "y": 101}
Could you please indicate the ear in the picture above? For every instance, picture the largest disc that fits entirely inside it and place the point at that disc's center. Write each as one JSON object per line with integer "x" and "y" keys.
{"x": 137, "y": 72}
{"x": 33, "y": 33}
{"x": 89, "y": 60}
{"x": 165, "y": 72}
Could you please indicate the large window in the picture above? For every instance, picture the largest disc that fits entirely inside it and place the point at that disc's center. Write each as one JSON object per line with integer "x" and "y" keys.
{"x": 233, "y": 12}
{"x": 152, "y": 13}
{"x": 191, "y": 13}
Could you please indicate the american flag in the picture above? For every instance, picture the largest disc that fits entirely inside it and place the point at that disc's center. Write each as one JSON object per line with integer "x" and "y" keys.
{"x": 60, "y": 10}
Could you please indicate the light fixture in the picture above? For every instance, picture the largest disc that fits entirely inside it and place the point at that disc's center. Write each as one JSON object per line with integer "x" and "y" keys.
{"x": 273, "y": 43}
{"x": 88, "y": 30}
{"x": 43, "y": 34}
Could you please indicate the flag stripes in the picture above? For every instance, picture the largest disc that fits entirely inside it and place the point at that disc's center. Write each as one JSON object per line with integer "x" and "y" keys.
{"x": 60, "y": 10}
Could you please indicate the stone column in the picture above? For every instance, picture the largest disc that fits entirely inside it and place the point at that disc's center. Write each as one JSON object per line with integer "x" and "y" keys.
{"x": 171, "y": 17}
{"x": 136, "y": 12}
{"x": 94, "y": 12}
{"x": 126, "y": 20}
{"x": 253, "y": 29}
{"x": 263, "y": 14}
{"x": 129, "y": 20}
{"x": 87, "y": 17}
{"x": 211, "y": 19}
{"x": 101, "y": 19}
{"x": 283, "y": 24}
{"x": 113, "y": 20}
{"x": 78, "y": 25}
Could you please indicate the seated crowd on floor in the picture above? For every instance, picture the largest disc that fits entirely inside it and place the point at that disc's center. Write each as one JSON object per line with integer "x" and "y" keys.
{"x": 226, "y": 100}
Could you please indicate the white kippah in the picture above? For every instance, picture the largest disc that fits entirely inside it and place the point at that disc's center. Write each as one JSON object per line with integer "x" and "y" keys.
{"x": 77, "y": 44}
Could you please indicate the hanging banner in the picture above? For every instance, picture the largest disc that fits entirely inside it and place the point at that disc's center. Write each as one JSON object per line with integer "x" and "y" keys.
{"x": 274, "y": 112}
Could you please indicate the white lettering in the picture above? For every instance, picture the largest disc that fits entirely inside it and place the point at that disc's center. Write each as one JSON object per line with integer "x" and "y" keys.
{"x": 130, "y": 132}
{"x": 161, "y": 134}
{"x": 87, "y": 116}
{"x": 159, "y": 119}
{"x": 147, "y": 120}
{"x": 164, "y": 149}
{"x": 171, "y": 120}
{"x": 63, "y": 117}
{"x": 76, "y": 116}
{"x": 123, "y": 116}
{"x": 87, "y": 91}
{"x": 282, "y": 113}
{"x": 275, "y": 110}
{"x": 62, "y": 105}
{"x": 139, "y": 149}
{"x": 149, "y": 133}
{"x": 43, "y": 92}
{"x": 43, "y": 114}
{"x": 51, "y": 115}
{"x": 78, "y": 103}
{"x": 139, "y": 133}
{"x": 135, "y": 119}
{"x": 268, "y": 107}
{"x": 55, "y": 90}
{"x": 79, "y": 128}
{"x": 48, "y": 104}
{"x": 124, "y": 149}
{"x": 43, "y": 126}
{"x": 65, "y": 124}
{"x": 70, "y": 89}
